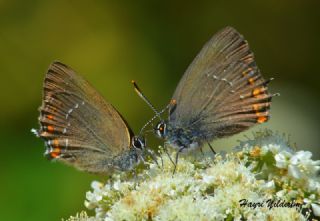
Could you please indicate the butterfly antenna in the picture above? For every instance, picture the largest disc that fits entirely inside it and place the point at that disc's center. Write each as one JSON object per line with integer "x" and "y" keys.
{"x": 172, "y": 102}
{"x": 146, "y": 124}
{"x": 139, "y": 92}
{"x": 143, "y": 97}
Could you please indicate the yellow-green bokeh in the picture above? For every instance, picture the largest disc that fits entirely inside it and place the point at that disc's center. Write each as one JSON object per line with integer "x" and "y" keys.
{"x": 153, "y": 42}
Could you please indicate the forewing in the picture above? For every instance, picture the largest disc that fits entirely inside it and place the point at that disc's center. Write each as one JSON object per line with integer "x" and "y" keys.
{"x": 78, "y": 125}
{"x": 222, "y": 92}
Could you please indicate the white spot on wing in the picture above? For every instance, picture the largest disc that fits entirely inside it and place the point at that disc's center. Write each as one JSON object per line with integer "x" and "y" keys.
{"x": 228, "y": 82}
{"x": 69, "y": 112}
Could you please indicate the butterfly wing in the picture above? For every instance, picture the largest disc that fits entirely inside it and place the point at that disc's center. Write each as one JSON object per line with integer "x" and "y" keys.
{"x": 222, "y": 92}
{"x": 79, "y": 127}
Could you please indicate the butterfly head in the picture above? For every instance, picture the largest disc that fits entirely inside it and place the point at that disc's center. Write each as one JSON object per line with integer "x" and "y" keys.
{"x": 138, "y": 143}
{"x": 161, "y": 129}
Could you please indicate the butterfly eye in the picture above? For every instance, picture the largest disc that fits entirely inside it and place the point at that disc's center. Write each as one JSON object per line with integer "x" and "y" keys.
{"x": 161, "y": 129}
{"x": 138, "y": 143}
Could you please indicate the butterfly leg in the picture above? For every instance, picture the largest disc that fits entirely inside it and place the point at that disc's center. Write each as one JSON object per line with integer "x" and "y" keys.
{"x": 160, "y": 155}
{"x": 161, "y": 159}
{"x": 142, "y": 159}
{"x": 134, "y": 174}
{"x": 152, "y": 155}
{"x": 177, "y": 157}
{"x": 211, "y": 148}
{"x": 166, "y": 151}
{"x": 201, "y": 151}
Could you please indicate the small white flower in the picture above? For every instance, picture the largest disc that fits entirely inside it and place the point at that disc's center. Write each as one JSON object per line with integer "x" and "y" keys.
{"x": 306, "y": 201}
{"x": 273, "y": 148}
{"x": 94, "y": 196}
{"x": 264, "y": 150}
{"x": 269, "y": 185}
{"x": 313, "y": 185}
{"x": 282, "y": 159}
{"x": 312, "y": 197}
{"x": 108, "y": 219}
{"x": 95, "y": 185}
{"x": 117, "y": 185}
{"x": 280, "y": 194}
{"x": 82, "y": 217}
{"x": 301, "y": 156}
{"x": 295, "y": 172}
{"x": 301, "y": 165}
{"x": 292, "y": 194}
{"x": 315, "y": 209}
{"x": 208, "y": 179}
{"x": 172, "y": 192}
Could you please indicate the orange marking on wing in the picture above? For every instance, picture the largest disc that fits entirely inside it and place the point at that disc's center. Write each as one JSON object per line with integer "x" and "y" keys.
{"x": 262, "y": 119}
{"x": 251, "y": 81}
{"x": 50, "y": 117}
{"x": 260, "y": 114}
{"x": 244, "y": 73}
{"x": 50, "y": 128}
{"x": 55, "y": 153}
{"x": 255, "y": 107}
{"x": 56, "y": 142}
{"x": 256, "y": 91}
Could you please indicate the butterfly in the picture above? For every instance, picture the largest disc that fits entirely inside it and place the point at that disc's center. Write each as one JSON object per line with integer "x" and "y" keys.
{"x": 221, "y": 94}
{"x": 81, "y": 129}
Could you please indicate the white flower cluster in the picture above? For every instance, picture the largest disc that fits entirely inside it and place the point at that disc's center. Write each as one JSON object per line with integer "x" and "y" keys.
{"x": 263, "y": 180}
{"x": 293, "y": 174}
{"x": 82, "y": 217}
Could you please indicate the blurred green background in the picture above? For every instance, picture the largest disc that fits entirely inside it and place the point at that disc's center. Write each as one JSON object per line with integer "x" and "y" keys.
{"x": 113, "y": 42}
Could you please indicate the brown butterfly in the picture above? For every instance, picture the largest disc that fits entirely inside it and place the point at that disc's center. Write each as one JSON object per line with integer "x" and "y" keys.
{"x": 221, "y": 94}
{"x": 83, "y": 130}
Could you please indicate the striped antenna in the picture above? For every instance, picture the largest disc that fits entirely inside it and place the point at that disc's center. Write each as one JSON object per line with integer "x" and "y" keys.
{"x": 172, "y": 102}
{"x": 141, "y": 95}
{"x": 158, "y": 114}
